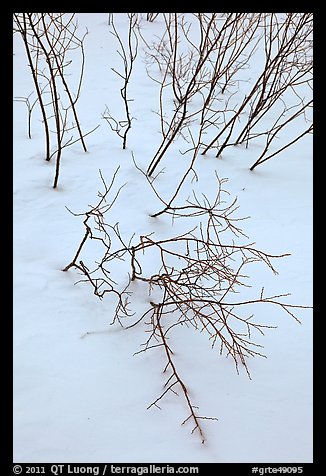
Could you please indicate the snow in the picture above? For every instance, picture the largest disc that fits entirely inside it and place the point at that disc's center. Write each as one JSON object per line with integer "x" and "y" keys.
{"x": 79, "y": 393}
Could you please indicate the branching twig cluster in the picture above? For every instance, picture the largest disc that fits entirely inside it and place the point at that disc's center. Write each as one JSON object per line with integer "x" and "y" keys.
{"x": 196, "y": 281}
{"x": 196, "y": 71}
{"x": 49, "y": 38}
{"x": 128, "y": 55}
{"x": 196, "y": 74}
{"x": 287, "y": 69}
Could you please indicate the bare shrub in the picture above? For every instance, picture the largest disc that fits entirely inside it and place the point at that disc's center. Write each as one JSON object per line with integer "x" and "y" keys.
{"x": 198, "y": 59}
{"x": 49, "y": 38}
{"x": 197, "y": 70}
{"x": 128, "y": 55}
{"x": 197, "y": 283}
{"x": 287, "y": 69}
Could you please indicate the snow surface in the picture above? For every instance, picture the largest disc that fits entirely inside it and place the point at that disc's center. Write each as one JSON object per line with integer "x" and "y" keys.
{"x": 83, "y": 398}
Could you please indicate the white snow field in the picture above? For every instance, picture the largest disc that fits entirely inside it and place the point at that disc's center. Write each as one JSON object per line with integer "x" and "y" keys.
{"x": 83, "y": 397}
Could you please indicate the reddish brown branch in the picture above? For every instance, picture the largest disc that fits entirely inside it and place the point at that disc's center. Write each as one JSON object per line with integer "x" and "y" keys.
{"x": 197, "y": 284}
